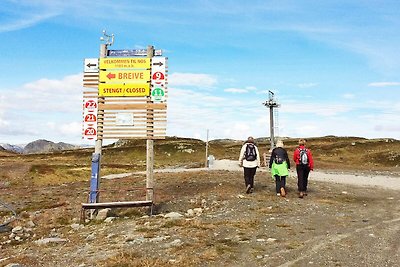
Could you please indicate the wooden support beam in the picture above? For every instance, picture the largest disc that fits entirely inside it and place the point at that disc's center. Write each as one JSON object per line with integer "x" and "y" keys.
{"x": 119, "y": 204}
{"x": 132, "y": 106}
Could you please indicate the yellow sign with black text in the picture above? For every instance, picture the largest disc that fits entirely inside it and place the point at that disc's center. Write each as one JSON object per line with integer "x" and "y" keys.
{"x": 127, "y": 76}
{"x": 132, "y": 89}
{"x": 124, "y": 63}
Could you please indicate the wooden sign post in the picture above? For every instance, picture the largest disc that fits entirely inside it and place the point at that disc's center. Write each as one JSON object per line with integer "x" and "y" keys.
{"x": 131, "y": 89}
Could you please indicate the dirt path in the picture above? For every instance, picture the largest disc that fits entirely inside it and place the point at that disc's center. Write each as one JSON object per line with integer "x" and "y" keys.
{"x": 381, "y": 181}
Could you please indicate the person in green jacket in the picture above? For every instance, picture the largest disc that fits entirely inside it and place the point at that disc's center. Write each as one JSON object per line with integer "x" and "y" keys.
{"x": 279, "y": 164}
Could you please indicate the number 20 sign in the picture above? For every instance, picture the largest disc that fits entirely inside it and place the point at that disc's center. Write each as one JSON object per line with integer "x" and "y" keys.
{"x": 90, "y": 107}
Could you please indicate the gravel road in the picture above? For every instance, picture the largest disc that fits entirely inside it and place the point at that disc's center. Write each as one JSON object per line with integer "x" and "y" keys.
{"x": 369, "y": 180}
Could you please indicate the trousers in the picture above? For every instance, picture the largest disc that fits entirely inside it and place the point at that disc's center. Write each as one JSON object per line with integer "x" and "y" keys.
{"x": 280, "y": 181}
{"x": 249, "y": 174}
{"x": 302, "y": 177}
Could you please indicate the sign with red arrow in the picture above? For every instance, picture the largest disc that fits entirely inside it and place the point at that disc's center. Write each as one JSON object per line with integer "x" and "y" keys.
{"x": 125, "y": 76}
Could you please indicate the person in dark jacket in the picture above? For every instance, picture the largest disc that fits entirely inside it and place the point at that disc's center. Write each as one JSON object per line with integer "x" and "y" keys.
{"x": 279, "y": 164}
{"x": 304, "y": 164}
{"x": 249, "y": 159}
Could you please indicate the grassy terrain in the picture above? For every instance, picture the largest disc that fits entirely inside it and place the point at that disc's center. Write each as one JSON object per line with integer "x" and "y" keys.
{"x": 331, "y": 153}
{"x": 48, "y": 189}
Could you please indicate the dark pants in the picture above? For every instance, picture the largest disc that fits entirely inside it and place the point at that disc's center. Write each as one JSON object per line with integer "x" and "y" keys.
{"x": 249, "y": 176}
{"x": 302, "y": 177}
{"x": 280, "y": 181}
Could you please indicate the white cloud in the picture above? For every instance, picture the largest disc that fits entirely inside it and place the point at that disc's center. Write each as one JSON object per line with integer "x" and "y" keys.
{"x": 251, "y": 88}
{"x": 45, "y": 108}
{"x": 348, "y": 96}
{"x": 244, "y": 90}
{"x": 265, "y": 92}
{"x": 239, "y": 130}
{"x": 191, "y": 113}
{"x": 4, "y": 123}
{"x": 27, "y": 15}
{"x": 384, "y": 84}
{"x": 49, "y": 95}
{"x": 65, "y": 129}
{"x": 236, "y": 90}
{"x": 192, "y": 79}
{"x": 307, "y": 85}
{"x": 319, "y": 109}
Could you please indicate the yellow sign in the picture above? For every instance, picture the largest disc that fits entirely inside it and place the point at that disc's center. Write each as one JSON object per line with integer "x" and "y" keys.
{"x": 125, "y": 63}
{"x": 133, "y": 89}
{"x": 133, "y": 76}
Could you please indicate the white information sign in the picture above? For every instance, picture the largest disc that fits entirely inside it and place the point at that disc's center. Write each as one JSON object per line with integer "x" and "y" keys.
{"x": 91, "y": 65}
{"x": 158, "y": 79}
{"x": 124, "y": 119}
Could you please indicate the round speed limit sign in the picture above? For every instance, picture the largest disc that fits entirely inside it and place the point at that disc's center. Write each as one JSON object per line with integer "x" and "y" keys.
{"x": 91, "y": 105}
{"x": 158, "y": 77}
{"x": 90, "y": 133}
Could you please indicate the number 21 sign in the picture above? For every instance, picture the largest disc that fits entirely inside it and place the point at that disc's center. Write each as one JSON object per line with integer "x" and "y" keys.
{"x": 90, "y": 107}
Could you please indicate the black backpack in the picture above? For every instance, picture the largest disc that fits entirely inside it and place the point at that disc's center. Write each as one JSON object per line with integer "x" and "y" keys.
{"x": 250, "y": 154}
{"x": 279, "y": 156}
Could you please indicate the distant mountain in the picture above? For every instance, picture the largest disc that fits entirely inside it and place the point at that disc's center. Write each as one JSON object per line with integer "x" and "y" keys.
{"x": 44, "y": 146}
{"x": 13, "y": 148}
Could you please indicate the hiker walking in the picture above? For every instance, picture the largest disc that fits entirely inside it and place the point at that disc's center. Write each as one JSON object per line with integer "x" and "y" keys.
{"x": 279, "y": 164}
{"x": 249, "y": 159}
{"x": 304, "y": 164}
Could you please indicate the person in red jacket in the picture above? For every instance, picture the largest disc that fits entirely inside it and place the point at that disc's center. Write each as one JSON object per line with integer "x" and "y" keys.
{"x": 304, "y": 164}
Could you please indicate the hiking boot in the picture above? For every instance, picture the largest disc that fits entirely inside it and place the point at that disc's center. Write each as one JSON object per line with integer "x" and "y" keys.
{"x": 283, "y": 192}
{"x": 251, "y": 190}
{"x": 301, "y": 194}
{"x": 248, "y": 188}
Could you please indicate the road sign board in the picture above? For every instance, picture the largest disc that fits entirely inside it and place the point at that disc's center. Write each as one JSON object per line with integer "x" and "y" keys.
{"x": 158, "y": 64}
{"x": 124, "y": 119}
{"x": 132, "y": 76}
{"x": 158, "y": 94}
{"x": 90, "y": 133}
{"x": 90, "y": 108}
{"x": 90, "y": 118}
{"x": 91, "y": 65}
{"x": 130, "y": 89}
{"x": 90, "y": 105}
{"x": 131, "y": 52}
{"x": 158, "y": 77}
{"x": 124, "y": 63}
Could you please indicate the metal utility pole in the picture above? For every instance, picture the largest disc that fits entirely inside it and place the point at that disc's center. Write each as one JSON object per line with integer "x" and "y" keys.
{"x": 271, "y": 104}
{"x": 206, "y": 165}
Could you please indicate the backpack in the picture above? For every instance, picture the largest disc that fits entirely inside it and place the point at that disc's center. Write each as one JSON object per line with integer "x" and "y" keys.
{"x": 250, "y": 154}
{"x": 303, "y": 159}
{"x": 279, "y": 159}
{"x": 279, "y": 156}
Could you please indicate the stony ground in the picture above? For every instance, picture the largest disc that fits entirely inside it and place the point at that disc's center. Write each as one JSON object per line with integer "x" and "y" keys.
{"x": 204, "y": 218}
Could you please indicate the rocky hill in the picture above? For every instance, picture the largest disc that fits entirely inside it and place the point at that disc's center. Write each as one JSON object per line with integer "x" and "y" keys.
{"x": 12, "y": 148}
{"x": 44, "y": 146}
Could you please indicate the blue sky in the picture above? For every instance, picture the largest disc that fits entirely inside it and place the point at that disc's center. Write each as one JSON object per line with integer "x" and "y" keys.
{"x": 334, "y": 66}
